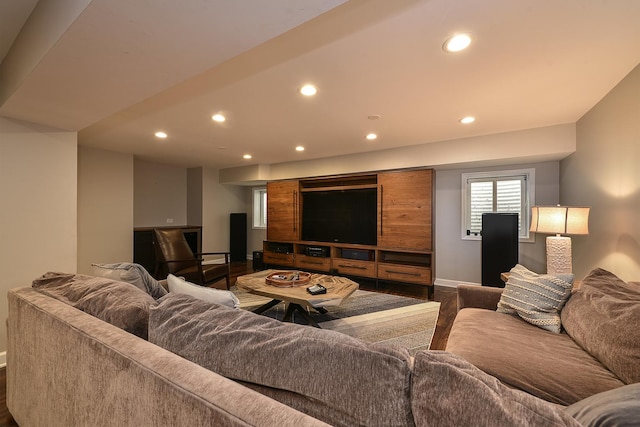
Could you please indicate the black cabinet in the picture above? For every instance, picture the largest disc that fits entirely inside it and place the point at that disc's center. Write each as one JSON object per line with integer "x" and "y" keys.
{"x": 499, "y": 246}
{"x": 144, "y": 249}
{"x": 238, "y": 237}
{"x": 258, "y": 263}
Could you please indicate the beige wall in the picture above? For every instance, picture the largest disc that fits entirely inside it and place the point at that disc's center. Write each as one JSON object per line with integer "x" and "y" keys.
{"x": 105, "y": 207}
{"x": 604, "y": 173}
{"x": 218, "y": 201}
{"x": 191, "y": 196}
{"x": 159, "y": 194}
{"x": 459, "y": 260}
{"x": 38, "y": 195}
{"x": 194, "y": 196}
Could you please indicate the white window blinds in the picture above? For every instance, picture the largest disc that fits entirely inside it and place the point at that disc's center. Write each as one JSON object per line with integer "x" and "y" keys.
{"x": 503, "y": 191}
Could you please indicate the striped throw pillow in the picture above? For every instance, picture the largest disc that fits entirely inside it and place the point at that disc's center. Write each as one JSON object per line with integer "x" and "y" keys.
{"x": 536, "y": 298}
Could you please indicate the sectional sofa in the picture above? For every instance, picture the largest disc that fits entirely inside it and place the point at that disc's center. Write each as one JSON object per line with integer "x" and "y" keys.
{"x": 576, "y": 346}
{"x": 88, "y": 351}
{"x": 597, "y": 348}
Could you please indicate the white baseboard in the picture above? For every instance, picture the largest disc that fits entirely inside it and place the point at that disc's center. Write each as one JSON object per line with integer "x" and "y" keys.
{"x": 221, "y": 260}
{"x": 213, "y": 261}
{"x": 452, "y": 283}
{"x": 3, "y": 359}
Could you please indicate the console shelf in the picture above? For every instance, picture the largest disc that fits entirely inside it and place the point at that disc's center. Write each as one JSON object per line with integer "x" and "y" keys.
{"x": 354, "y": 261}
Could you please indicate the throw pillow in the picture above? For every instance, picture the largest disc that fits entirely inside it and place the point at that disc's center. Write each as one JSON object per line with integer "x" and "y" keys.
{"x": 446, "y": 390}
{"x": 131, "y": 273}
{"x": 602, "y": 316}
{"x": 536, "y": 298}
{"x": 216, "y": 296}
{"x": 119, "y": 303}
{"x": 328, "y": 375}
{"x": 614, "y": 408}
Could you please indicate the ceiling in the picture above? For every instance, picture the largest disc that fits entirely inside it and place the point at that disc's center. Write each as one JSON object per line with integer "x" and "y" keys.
{"x": 117, "y": 71}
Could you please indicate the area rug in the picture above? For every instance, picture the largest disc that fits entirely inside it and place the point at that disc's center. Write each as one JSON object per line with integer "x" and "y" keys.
{"x": 373, "y": 317}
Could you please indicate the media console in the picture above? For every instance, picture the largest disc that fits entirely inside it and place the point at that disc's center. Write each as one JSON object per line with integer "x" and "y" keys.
{"x": 401, "y": 217}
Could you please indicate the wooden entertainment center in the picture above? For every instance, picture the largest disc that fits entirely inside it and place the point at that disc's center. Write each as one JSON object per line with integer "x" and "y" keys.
{"x": 403, "y": 249}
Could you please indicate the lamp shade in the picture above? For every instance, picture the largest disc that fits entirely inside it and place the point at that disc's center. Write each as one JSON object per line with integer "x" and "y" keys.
{"x": 559, "y": 220}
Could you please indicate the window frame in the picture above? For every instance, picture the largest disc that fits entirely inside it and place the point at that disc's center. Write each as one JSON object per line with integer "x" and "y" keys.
{"x": 528, "y": 198}
{"x": 259, "y": 206}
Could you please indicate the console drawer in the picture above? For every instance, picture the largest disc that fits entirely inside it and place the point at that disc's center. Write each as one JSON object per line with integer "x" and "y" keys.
{"x": 278, "y": 259}
{"x": 350, "y": 267}
{"x": 405, "y": 273}
{"x": 313, "y": 263}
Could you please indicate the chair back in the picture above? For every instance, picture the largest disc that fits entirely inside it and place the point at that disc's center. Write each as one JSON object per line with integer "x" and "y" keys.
{"x": 172, "y": 245}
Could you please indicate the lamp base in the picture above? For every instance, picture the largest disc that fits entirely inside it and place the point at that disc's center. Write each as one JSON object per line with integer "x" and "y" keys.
{"x": 559, "y": 254}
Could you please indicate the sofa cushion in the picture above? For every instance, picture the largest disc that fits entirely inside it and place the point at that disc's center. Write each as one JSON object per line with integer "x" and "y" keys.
{"x": 131, "y": 273}
{"x": 603, "y": 316}
{"x": 217, "y": 296}
{"x": 548, "y": 365}
{"x": 536, "y": 298}
{"x": 337, "y": 378}
{"x": 614, "y": 408}
{"x": 119, "y": 303}
{"x": 446, "y": 390}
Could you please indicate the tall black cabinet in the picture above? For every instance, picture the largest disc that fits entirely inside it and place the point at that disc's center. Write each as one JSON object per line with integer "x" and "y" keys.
{"x": 238, "y": 237}
{"x": 499, "y": 246}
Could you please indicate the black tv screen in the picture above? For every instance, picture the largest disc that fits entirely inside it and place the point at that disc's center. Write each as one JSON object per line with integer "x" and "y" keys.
{"x": 344, "y": 216}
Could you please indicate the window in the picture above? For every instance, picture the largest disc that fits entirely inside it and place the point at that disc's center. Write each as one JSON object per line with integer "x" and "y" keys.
{"x": 260, "y": 207}
{"x": 500, "y": 191}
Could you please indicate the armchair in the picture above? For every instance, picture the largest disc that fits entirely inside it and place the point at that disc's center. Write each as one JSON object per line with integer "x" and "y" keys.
{"x": 174, "y": 256}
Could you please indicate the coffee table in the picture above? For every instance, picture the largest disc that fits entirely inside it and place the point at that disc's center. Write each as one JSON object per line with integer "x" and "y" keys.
{"x": 298, "y": 299}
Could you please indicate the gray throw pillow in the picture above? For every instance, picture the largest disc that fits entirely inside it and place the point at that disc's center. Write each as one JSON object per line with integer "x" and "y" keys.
{"x": 328, "y": 375}
{"x": 119, "y": 303}
{"x": 619, "y": 407}
{"x": 131, "y": 273}
{"x": 446, "y": 390}
{"x": 603, "y": 317}
{"x": 536, "y": 298}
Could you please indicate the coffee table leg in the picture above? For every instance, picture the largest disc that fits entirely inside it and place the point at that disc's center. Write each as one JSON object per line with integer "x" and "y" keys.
{"x": 297, "y": 307}
{"x": 289, "y": 312}
{"x": 267, "y": 306}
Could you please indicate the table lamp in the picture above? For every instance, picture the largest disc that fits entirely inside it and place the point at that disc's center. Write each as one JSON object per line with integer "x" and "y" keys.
{"x": 559, "y": 220}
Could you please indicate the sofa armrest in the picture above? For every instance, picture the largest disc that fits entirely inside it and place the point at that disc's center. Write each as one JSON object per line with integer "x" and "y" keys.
{"x": 478, "y": 297}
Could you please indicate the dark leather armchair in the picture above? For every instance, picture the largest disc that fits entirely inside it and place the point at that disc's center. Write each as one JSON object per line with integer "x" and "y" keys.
{"x": 176, "y": 257}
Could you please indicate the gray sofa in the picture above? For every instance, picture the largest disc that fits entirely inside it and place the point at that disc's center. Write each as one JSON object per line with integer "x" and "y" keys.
{"x": 74, "y": 359}
{"x": 597, "y": 350}
{"x": 68, "y": 368}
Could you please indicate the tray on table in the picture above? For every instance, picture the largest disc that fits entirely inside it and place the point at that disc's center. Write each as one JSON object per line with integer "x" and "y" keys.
{"x": 288, "y": 279}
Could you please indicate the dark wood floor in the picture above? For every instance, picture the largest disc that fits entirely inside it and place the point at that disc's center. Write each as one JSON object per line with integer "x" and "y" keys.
{"x": 446, "y": 296}
{"x": 6, "y": 420}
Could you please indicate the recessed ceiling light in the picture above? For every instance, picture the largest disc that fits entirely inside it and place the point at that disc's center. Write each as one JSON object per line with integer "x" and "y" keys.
{"x": 246, "y": 156}
{"x": 457, "y": 43}
{"x": 371, "y": 136}
{"x": 218, "y": 118}
{"x": 299, "y": 148}
{"x": 308, "y": 90}
{"x": 467, "y": 120}
{"x": 161, "y": 135}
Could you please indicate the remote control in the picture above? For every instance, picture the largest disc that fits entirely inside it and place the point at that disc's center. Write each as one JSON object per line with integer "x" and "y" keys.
{"x": 317, "y": 289}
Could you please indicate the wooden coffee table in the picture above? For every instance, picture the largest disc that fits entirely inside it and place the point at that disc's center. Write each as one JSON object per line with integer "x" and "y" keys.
{"x": 298, "y": 299}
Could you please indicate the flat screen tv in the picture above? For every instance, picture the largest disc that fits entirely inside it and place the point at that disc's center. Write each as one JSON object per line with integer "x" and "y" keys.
{"x": 343, "y": 216}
